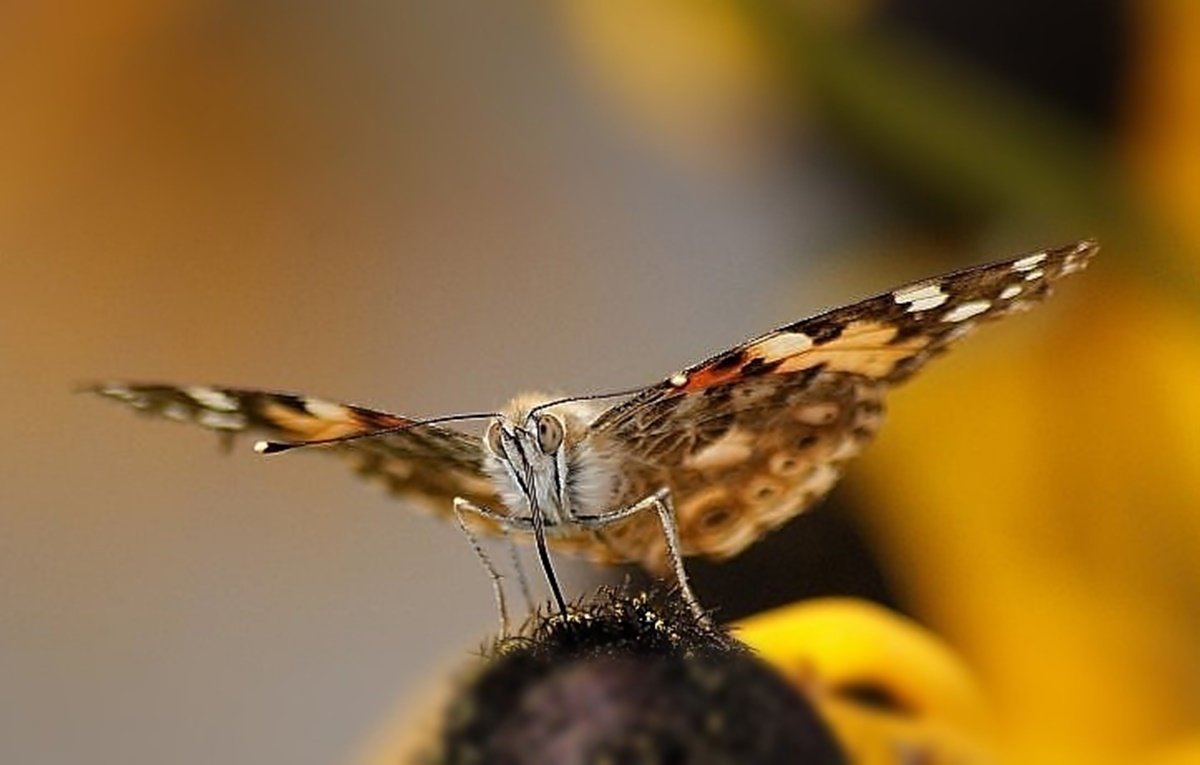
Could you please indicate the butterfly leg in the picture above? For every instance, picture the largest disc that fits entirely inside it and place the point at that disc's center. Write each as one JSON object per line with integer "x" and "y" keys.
{"x": 522, "y": 580}
{"x": 497, "y": 586}
{"x": 661, "y": 502}
{"x": 537, "y": 526}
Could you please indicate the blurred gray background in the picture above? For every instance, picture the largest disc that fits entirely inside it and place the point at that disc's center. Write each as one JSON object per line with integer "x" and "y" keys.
{"x": 426, "y": 209}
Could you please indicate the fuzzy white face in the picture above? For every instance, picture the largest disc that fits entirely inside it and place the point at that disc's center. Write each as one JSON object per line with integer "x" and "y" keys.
{"x": 542, "y": 457}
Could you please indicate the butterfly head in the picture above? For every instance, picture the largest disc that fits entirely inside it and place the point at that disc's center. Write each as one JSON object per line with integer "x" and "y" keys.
{"x": 540, "y": 435}
{"x": 540, "y": 457}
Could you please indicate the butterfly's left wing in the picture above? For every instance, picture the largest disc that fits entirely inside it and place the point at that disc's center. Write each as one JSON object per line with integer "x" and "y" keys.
{"x": 426, "y": 463}
{"x": 749, "y": 438}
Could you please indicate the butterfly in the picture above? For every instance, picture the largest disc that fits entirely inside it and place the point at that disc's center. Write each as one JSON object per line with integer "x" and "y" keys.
{"x": 725, "y": 450}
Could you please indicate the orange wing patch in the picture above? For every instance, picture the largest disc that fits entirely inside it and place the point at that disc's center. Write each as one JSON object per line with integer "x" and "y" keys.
{"x": 319, "y": 419}
{"x": 863, "y": 348}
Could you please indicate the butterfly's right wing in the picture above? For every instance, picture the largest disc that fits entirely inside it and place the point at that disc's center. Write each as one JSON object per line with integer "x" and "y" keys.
{"x": 747, "y": 439}
{"x": 426, "y": 463}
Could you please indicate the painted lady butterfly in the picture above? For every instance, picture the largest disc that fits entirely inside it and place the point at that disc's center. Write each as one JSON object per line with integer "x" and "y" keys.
{"x": 725, "y": 450}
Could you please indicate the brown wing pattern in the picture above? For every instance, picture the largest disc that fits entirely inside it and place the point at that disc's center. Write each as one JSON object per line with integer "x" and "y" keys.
{"x": 751, "y": 437}
{"x": 425, "y": 463}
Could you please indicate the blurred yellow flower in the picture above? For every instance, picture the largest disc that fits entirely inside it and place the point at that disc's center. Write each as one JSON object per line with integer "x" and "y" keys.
{"x": 890, "y": 689}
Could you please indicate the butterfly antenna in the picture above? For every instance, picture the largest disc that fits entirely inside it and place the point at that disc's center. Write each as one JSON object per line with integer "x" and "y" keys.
{"x": 275, "y": 447}
{"x": 587, "y": 397}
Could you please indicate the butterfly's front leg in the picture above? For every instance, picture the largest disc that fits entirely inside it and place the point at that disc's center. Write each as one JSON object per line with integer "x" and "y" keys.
{"x": 661, "y": 502}
{"x": 517, "y": 524}
{"x": 522, "y": 581}
{"x": 460, "y": 505}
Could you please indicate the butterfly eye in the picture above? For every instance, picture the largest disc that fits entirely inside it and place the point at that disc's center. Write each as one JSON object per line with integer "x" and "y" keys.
{"x": 549, "y": 433}
{"x": 493, "y": 439}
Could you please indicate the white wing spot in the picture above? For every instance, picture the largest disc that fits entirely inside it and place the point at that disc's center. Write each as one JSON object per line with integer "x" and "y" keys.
{"x": 177, "y": 412}
{"x": 1010, "y": 292}
{"x": 919, "y": 292}
{"x": 221, "y": 420}
{"x": 1033, "y": 276}
{"x": 1033, "y": 261}
{"x": 119, "y": 391}
{"x": 325, "y": 410}
{"x": 210, "y": 398}
{"x": 967, "y": 310}
{"x": 924, "y": 304}
{"x": 922, "y": 297}
{"x": 679, "y": 379}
